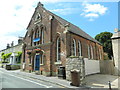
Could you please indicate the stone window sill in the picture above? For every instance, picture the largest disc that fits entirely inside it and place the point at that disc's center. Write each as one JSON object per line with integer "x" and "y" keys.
{"x": 41, "y": 64}
{"x": 30, "y": 64}
{"x": 59, "y": 62}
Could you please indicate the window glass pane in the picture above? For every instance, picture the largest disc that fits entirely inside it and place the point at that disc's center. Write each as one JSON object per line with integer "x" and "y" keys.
{"x": 58, "y": 49}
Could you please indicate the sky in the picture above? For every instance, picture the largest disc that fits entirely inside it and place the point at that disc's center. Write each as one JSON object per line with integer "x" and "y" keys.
{"x": 91, "y": 17}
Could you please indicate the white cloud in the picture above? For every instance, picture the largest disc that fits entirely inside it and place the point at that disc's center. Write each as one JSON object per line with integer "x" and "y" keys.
{"x": 92, "y": 15}
{"x": 92, "y": 11}
{"x": 14, "y": 17}
{"x": 65, "y": 11}
{"x": 7, "y": 39}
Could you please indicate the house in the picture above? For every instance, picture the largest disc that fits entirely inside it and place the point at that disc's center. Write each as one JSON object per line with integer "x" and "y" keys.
{"x": 116, "y": 51}
{"x": 49, "y": 40}
{"x": 13, "y": 50}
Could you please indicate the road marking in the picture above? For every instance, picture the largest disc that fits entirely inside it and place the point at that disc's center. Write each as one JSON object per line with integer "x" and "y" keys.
{"x": 28, "y": 80}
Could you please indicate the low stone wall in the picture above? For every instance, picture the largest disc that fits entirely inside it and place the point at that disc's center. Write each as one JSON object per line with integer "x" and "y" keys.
{"x": 72, "y": 63}
{"x": 85, "y": 66}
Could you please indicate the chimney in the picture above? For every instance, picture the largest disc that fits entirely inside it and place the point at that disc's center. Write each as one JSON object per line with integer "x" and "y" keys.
{"x": 20, "y": 40}
{"x": 116, "y": 30}
{"x": 8, "y": 46}
{"x": 12, "y": 44}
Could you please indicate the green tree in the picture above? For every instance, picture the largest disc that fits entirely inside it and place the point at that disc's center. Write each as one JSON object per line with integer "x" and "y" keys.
{"x": 2, "y": 53}
{"x": 19, "y": 54}
{"x": 105, "y": 39}
{"x": 5, "y": 56}
{"x": 8, "y": 55}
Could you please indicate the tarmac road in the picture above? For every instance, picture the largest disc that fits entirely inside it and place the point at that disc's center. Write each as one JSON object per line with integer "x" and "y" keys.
{"x": 9, "y": 80}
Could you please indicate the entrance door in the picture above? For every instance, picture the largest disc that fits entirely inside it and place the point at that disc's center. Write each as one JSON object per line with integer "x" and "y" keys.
{"x": 37, "y": 62}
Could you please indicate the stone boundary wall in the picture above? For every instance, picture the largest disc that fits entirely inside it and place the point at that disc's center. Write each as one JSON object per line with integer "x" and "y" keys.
{"x": 72, "y": 63}
{"x": 86, "y": 68}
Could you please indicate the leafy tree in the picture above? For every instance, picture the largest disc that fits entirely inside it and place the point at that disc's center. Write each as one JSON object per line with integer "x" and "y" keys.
{"x": 19, "y": 54}
{"x": 105, "y": 39}
{"x": 5, "y": 56}
{"x": 8, "y": 55}
{"x": 2, "y": 53}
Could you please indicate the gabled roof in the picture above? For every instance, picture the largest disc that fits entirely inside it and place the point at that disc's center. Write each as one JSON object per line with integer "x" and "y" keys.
{"x": 73, "y": 28}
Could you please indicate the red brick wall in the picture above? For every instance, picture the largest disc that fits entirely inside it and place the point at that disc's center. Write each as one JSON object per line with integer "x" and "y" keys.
{"x": 54, "y": 29}
{"x": 47, "y": 39}
{"x": 84, "y": 43}
{"x": 57, "y": 31}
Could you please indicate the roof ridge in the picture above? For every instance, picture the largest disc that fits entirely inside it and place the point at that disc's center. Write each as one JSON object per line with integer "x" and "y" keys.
{"x": 78, "y": 28}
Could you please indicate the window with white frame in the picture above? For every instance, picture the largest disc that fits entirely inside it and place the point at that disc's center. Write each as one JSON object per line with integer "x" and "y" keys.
{"x": 74, "y": 47}
{"x": 79, "y": 49}
{"x": 58, "y": 49}
{"x": 38, "y": 33}
{"x": 42, "y": 36}
{"x": 91, "y": 52}
{"x": 36, "y": 37}
{"x": 100, "y": 54}
{"x": 88, "y": 51}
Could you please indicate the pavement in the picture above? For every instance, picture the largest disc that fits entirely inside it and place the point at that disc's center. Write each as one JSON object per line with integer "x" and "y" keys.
{"x": 101, "y": 81}
{"x": 92, "y": 81}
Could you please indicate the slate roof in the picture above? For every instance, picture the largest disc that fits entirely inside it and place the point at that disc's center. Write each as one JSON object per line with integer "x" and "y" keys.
{"x": 73, "y": 28}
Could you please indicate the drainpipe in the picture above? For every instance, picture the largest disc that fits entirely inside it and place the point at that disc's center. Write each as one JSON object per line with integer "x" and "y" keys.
{"x": 51, "y": 46}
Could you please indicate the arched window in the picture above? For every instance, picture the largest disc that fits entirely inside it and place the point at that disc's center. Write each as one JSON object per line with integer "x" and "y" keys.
{"x": 38, "y": 16}
{"x": 91, "y": 52}
{"x": 88, "y": 51}
{"x": 38, "y": 34}
{"x": 58, "y": 49}
{"x": 36, "y": 37}
{"x": 79, "y": 49}
{"x": 32, "y": 38}
{"x": 74, "y": 47}
{"x": 100, "y": 54}
{"x": 42, "y": 36}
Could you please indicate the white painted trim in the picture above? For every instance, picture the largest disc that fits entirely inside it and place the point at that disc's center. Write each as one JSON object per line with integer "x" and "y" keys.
{"x": 59, "y": 62}
{"x": 42, "y": 38}
{"x": 80, "y": 49}
{"x": 92, "y": 55}
{"x": 74, "y": 42}
{"x": 88, "y": 52}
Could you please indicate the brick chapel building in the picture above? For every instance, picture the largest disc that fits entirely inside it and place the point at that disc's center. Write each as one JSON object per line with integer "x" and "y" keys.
{"x": 49, "y": 40}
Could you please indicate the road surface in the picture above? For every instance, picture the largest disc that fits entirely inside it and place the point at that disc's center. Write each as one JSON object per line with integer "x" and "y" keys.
{"x": 11, "y": 80}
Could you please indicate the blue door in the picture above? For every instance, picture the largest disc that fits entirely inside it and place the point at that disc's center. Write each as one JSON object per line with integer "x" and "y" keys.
{"x": 37, "y": 62}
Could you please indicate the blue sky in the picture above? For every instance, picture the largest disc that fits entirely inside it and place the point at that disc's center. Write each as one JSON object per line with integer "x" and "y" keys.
{"x": 91, "y": 17}
{"x": 106, "y": 22}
